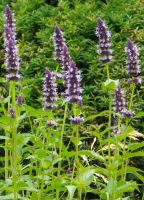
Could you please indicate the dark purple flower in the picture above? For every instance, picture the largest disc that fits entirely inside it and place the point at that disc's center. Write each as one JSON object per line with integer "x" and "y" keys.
{"x": 73, "y": 91}
{"x": 66, "y": 68}
{"x": 104, "y": 41}
{"x": 132, "y": 62}
{"x": 76, "y": 120}
{"x": 12, "y": 113}
{"x": 11, "y": 51}
{"x": 58, "y": 44}
{"x": 49, "y": 90}
{"x": 119, "y": 103}
{"x": 19, "y": 100}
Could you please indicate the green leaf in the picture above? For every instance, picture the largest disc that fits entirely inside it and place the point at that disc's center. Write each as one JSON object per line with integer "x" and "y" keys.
{"x": 131, "y": 155}
{"x": 134, "y": 170}
{"x": 91, "y": 154}
{"x": 126, "y": 187}
{"x": 40, "y": 153}
{"x": 71, "y": 189}
{"x": 86, "y": 176}
{"x": 110, "y": 85}
{"x": 134, "y": 146}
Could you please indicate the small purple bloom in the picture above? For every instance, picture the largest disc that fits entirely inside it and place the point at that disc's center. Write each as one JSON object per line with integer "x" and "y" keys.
{"x": 12, "y": 113}
{"x": 19, "y": 100}
{"x": 132, "y": 62}
{"x": 51, "y": 123}
{"x": 76, "y": 120}
{"x": 49, "y": 90}
{"x": 73, "y": 91}
{"x": 119, "y": 103}
{"x": 58, "y": 44}
{"x": 11, "y": 51}
{"x": 104, "y": 41}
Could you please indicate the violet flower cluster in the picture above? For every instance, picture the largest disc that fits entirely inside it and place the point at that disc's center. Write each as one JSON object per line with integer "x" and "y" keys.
{"x": 70, "y": 73}
{"x": 104, "y": 49}
{"x": 11, "y": 51}
{"x": 132, "y": 62}
{"x": 74, "y": 90}
{"x": 49, "y": 90}
{"x": 120, "y": 104}
{"x": 59, "y": 43}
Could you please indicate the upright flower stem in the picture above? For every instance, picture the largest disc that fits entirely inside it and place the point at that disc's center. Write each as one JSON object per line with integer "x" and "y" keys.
{"x": 77, "y": 161}
{"x": 60, "y": 147}
{"x": 14, "y": 140}
{"x": 110, "y": 110}
{"x": 127, "y": 122}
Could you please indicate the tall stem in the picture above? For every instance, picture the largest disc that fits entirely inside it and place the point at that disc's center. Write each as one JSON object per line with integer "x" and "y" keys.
{"x": 77, "y": 161}
{"x": 109, "y": 120}
{"x": 125, "y": 163}
{"x": 60, "y": 147}
{"x": 14, "y": 140}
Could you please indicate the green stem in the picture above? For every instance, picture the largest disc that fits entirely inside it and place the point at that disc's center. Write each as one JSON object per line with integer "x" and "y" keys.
{"x": 132, "y": 95}
{"x": 77, "y": 161}
{"x": 125, "y": 163}
{"x": 14, "y": 140}
{"x": 6, "y": 147}
{"x": 60, "y": 147}
{"x": 109, "y": 121}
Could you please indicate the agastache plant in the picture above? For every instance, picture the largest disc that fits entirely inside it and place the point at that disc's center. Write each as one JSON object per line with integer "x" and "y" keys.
{"x": 11, "y": 51}
{"x": 104, "y": 45}
{"x": 132, "y": 62}
{"x": 59, "y": 43}
{"x": 74, "y": 90}
{"x": 120, "y": 104}
{"x": 49, "y": 90}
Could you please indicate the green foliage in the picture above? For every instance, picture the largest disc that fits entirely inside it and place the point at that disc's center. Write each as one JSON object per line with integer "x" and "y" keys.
{"x": 79, "y": 164}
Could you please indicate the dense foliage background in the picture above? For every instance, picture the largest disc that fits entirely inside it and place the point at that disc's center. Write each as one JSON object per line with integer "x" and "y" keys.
{"x": 35, "y": 22}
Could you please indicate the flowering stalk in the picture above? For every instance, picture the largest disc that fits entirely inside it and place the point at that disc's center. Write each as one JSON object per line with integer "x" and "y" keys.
{"x": 11, "y": 51}
{"x": 105, "y": 52}
{"x": 48, "y": 103}
{"x": 104, "y": 35}
{"x": 12, "y": 68}
{"x": 119, "y": 103}
{"x": 59, "y": 43}
{"x": 73, "y": 96}
{"x": 132, "y": 62}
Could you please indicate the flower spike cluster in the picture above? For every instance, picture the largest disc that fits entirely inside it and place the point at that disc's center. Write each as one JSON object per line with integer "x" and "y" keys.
{"x": 74, "y": 90}
{"x": 49, "y": 90}
{"x": 132, "y": 62}
{"x": 11, "y": 51}
{"x": 120, "y": 104}
{"x": 104, "y": 49}
{"x": 59, "y": 43}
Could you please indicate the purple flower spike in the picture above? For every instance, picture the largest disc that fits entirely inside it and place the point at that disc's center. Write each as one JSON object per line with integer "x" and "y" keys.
{"x": 76, "y": 120}
{"x": 11, "y": 51}
{"x": 104, "y": 42}
{"x": 12, "y": 113}
{"x": 19, "y": 100}
{"x": 49, "y": 90}
{"x": 58, "y": 44}
{"x": 74, "y": 90}
{"x": 119, "y": 103}
{"x": 132, "y": 62}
